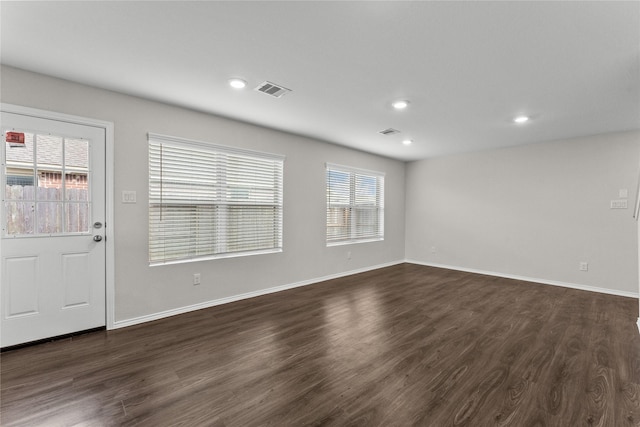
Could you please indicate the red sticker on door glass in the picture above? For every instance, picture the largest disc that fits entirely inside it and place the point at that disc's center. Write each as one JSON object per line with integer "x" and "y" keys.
{"x": 15, "y": 139}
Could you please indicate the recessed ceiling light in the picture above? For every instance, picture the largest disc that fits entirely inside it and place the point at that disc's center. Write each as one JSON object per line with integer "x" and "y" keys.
{"x": 400, "y": 105}
{"x": 237, "y": 83}
{"x": 407, "y": 141}
{"x": 521, "y": 119}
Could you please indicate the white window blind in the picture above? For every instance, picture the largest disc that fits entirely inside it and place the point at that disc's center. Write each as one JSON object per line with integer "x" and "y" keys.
{"x": 355, "y": 205}
{"x": 209, "y": 201}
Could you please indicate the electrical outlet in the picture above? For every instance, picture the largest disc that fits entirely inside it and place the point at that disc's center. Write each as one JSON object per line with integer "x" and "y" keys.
{"x": 619, "y": 204}
{"x": 196, "y": 278}
{"x": 433, "y": 249}
{"x": 584, "y": 266}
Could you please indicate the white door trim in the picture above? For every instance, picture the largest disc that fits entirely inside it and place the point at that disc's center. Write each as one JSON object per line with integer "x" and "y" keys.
{"x": 109, "y": 158}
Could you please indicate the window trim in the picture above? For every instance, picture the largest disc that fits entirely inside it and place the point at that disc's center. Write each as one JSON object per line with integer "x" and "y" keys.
{"x": 380, "y": 208}
{"x": 228, "y": 150}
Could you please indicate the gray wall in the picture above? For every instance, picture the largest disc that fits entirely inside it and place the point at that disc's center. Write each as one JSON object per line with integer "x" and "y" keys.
{"x": 533, "y": 211}
{"x": 142, "y": 290}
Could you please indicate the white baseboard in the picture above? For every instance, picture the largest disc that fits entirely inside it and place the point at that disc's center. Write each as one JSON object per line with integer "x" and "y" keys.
{"x": 531, "y": 279}
{"x": 180, "y": 310}
{"x": 225, "y": 300}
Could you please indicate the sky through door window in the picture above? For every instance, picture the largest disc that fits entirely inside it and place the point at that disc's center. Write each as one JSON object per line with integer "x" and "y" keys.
{"x": 355, "y": 205}
{"x": 210, "y": 201}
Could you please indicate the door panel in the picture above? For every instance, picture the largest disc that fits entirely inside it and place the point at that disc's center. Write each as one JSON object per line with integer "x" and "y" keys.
{"x": 52, "y": 271}
{"x": 20, "y": 279}
{"x": 76, "y": 279}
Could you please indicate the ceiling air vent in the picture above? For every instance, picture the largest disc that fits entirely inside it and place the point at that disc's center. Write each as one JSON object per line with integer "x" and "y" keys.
{"x": 389, "y": 131}
{"x": 272, "y": 89}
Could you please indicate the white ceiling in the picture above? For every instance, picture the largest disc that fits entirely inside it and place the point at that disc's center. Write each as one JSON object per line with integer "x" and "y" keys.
{"x": 467, "y": 67}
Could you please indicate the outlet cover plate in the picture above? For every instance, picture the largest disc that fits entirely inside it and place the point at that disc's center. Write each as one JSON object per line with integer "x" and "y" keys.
{"x": 619, "y": 204}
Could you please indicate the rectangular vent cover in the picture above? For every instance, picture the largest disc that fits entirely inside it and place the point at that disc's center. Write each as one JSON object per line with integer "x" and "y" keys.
{"x": 272, "y": 89}
{"x": 389, "y": 131}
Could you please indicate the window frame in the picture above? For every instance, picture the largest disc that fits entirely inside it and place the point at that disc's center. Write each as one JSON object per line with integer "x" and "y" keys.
{"x": 353, "y": 208}
{"x": 221, "y": 201}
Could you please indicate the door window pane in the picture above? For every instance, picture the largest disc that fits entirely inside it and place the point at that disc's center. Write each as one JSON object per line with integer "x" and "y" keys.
{"x": 19, "y": 217}
{"x": 76, "y": 161}
{"x": 49, "y": 152}
{"x": 50, "y": 174}
{"x": 20, "y": 157}
{"x": 76, "y": 187}
{"x": 77, "y": 217}
{"x": 76, "y": 154}
{"x": 49, "y": 216}
{"x": 49, "y": 186}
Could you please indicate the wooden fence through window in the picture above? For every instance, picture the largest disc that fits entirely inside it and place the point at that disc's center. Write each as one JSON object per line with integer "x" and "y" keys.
{"x": 28, "y": 207}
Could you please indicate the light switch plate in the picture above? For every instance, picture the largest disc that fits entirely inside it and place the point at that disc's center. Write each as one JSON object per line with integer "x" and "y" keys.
{"x": 623, "y": 193}
{"x": 128, "y": 197}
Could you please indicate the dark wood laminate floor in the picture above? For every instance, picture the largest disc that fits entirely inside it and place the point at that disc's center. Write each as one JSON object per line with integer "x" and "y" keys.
{"x": 400, "y": 346}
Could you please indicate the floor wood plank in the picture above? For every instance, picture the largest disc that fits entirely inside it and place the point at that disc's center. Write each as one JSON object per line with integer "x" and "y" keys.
{"x": 400, "y": 346}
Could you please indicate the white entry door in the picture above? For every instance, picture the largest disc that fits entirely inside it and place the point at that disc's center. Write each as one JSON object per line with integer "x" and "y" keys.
{"x": 52, "y": 248}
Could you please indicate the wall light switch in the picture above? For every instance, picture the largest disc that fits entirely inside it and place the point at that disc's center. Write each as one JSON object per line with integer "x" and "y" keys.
{"x": 623, "y": 193}
{"x": 128, "y": 197}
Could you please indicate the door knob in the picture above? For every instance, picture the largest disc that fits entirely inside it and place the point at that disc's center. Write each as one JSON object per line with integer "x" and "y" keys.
{"x": 97, "y": 238}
